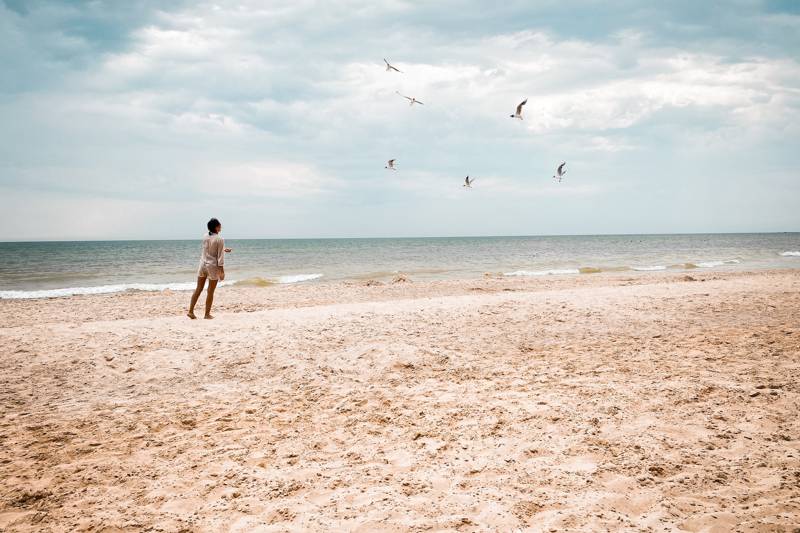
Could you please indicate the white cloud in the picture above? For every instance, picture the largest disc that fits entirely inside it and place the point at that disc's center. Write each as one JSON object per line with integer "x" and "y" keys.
{"x": 229, "y": 62}
{"x": 290, "y": 100}
{"x": 266, "y": 179}
{"x": 607, "y": 144}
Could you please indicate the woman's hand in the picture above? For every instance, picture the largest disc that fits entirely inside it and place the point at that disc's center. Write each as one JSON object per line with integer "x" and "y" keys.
{"x": 228, "y": 250}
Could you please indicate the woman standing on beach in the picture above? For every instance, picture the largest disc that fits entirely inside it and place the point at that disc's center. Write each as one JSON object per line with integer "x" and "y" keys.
{"x": 212, "y": 261}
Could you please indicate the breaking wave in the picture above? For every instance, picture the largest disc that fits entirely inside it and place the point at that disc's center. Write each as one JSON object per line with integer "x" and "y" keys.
{"x": 649, "y": 268}
{"x": 298, "y": 278}
{"x": 543, "y": 272}
{"x": 642, "y": 268}
{"x": 100, "y": 289}
{"x": 790, "y": 254}
{"x": 147, "y": 287}
{"x": 712, "y": 264}
{"x": 254, "y": 282}
{"x": 283, "y": 280}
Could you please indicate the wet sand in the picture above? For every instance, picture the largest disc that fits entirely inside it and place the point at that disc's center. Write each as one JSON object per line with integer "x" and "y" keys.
{"x": 653, "y": 402}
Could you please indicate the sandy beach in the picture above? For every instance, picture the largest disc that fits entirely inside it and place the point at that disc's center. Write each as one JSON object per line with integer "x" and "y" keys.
{"x": 647, "y": 402}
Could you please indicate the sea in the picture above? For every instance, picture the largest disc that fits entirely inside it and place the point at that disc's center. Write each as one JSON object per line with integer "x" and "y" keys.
{"x": 64, "y": 269}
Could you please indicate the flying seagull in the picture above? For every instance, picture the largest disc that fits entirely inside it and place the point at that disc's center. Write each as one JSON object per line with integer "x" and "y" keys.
{"x": 468, "y": 182}
{"x": 518, "y": 113}
{"x": 410, "y": 99}
{"x": 390, "y": 67}
{"x": 560, "y": 172}
{"x": 390, "y": 164}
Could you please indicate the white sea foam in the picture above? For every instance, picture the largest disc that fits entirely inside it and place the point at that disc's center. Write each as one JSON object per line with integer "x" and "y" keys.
{"x": 100, "y": 289}
{"x": 649, "y": 268}
{"x": 543, "y": 272}
{"x": 790, "y": 254}
{"x": 712, "y": 264}
{"x": 123, "y": 287}
{"x": 298, "y": 278}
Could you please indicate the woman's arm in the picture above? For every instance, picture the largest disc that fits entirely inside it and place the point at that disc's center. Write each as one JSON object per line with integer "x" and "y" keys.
{"x": 221, "y": 252}
{"x": 221, "y": 259}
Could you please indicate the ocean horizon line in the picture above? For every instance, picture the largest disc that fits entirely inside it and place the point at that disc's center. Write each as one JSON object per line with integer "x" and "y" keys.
{"x": 407, "y": 237}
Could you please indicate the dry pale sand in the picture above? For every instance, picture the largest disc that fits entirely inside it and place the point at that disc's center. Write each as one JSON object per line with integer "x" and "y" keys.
{"x": 598, "y": 402}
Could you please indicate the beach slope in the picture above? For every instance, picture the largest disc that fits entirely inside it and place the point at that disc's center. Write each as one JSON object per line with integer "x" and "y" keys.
{"x": 587, "y": 403}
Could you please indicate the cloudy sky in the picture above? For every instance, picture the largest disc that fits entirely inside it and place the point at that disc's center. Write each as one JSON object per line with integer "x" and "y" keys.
{"x": 142, "y": 119}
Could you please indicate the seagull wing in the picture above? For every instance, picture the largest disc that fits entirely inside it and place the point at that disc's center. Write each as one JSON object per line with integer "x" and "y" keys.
{"x": 519, "y": 107}
{"x": 561, "y": 168}
{"x": 420, "y": 103}
{"x": 404, "y": 96}
{"x": 390, "y": 66}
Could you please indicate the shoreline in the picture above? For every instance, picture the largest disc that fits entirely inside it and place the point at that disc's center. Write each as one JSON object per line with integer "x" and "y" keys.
{"x": 247, "y": 298}
{"x": 422, "y": 276}
{"x": 571, "y": 403}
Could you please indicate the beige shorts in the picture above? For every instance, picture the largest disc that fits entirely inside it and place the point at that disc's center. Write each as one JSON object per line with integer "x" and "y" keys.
{"x": 207, "y": 271}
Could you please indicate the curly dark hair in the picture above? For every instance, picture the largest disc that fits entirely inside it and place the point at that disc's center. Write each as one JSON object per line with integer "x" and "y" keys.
{"x": 212, "y": 225}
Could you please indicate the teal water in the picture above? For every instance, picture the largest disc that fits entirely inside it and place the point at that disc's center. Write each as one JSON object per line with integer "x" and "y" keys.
{"x": 46, "y": 269}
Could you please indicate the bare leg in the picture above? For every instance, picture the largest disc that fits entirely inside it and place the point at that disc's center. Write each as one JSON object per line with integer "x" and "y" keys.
{"x": 195, "y": 295}
{"x": 212, "y": 285}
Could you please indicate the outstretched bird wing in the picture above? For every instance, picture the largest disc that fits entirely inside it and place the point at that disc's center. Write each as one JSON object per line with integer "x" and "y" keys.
{"x": 389, "y": 65}
{"x": 519, "y": 107}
